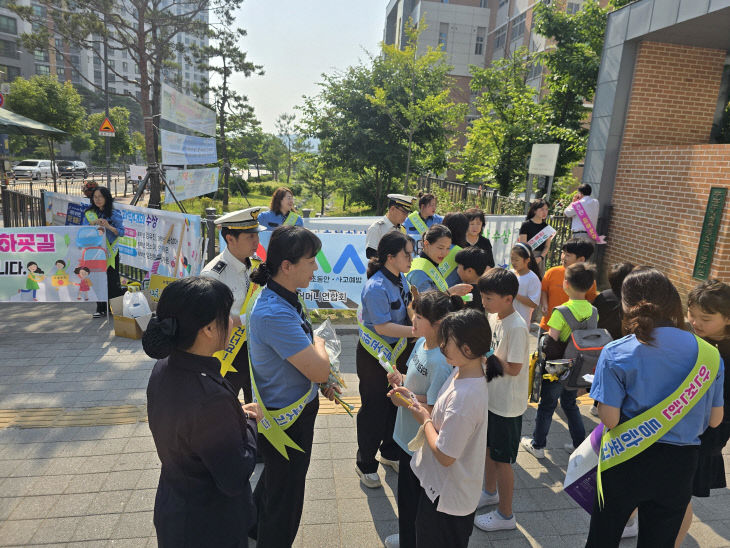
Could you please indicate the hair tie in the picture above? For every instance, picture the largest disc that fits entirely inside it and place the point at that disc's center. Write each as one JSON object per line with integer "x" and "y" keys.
{"x": 488, "y": 354}
{"x": 168, "y": 327}
{"x": 524, "y": 246}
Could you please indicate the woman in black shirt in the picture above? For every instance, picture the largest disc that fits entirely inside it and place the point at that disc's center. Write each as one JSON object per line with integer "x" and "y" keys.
{"x": 474, "y": 236}
{"x": 533, "y": 225}
{"x": 205, "y": 439}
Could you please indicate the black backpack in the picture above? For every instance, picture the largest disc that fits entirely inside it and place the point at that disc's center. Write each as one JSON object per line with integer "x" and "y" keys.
{"x": 583, "y": 348}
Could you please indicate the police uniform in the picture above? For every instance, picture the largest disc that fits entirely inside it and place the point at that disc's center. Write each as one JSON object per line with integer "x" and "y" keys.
{"x": 412, "y": 231}
{"x": 236, "y": 275}
{"x": 207, "y": 447}
{"x": 385, "y": 298}
{"x": 380, "y": 227}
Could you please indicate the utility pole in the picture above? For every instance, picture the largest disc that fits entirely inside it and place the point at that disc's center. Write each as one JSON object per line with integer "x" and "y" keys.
{"x": 106, "y": 96}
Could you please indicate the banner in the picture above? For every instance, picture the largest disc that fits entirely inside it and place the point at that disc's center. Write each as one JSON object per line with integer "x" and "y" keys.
{"x": 179, "y": 149}
{"x": 184, "y": 111}
{"x": 158, "y": 241}
{"x": 137, "y": 173}
{"x": 502, "y": 231}
{"x": 52, "y": 264}
{"x": 189, "y": 183}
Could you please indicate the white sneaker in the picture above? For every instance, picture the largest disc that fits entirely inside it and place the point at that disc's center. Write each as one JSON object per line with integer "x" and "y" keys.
{"x": 393, "y": 541}
{"x": 526, "y": 443}
{"x": 494, "y": 522}
{"x": 371, "y": 480}
{"x": 594, "y": 410}
{"x": 631, "y": 530}
{"x": 486, "y": 499}
{"x": 569, "y": 447}
{"x": 394, "y": 464}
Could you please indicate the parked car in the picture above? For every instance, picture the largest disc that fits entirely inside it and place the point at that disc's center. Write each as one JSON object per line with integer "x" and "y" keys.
{"x": 72, "y": 168}
{"x": 33, "y": 169}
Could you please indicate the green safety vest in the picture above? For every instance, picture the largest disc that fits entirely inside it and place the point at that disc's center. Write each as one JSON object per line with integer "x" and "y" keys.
{"x": 421, "y": 263}
{"x": 112, "y": 248}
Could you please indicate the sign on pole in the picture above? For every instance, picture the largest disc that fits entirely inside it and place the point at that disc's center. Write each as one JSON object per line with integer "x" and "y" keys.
{"x": 543, "y": 159}
{"x": 107, "y": 129}
{"x": 2, "y": 100}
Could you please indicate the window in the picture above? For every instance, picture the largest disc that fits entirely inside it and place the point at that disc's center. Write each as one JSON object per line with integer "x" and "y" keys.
{"x": 502, "y": 3}
{"x": 61, "y": 73}
{"x": 518, "y": 27}
{"x": 124, "y": 54}
{"x": 43, "y": 70}
{"x": 573, "y": 7}
{"x": 8, "y": 25}
{"x": 9, "y": 48}
{"x": 40, "y": 55}
{"x": 112, "y": 90}
{"x": 483, "y": 3}
{"x": 500, "y": 38}
{"x": 97, "y": 76}
{"x": 535, "y": 70}
{"x": 112, "y": 64}
{"x": 125, "y": 66}
{"x": 8, "y": 73}
{"x": 136, "y": 68}
{"x": 112, "y": 78}
{"x": 59, "y": 44}
{"x": 97, "y": 61}
{"x": 479, "y": 47}
{"x": 443, "y": 34}
{"x": 39, "y": 11}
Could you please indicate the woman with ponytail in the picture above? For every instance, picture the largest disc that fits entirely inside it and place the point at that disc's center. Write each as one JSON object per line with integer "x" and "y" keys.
{"x": 384, "y": 331}
{"x": 634, "y": 374}
{"x": 287, "y": 362}
{"x": 205, "y": 439}
{"x": 530, "y": 278}
{"x": 427, "y": 371}
{"x": 448, "y": 458}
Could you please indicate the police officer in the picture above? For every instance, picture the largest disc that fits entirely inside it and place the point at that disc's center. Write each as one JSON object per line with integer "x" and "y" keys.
{"x": 399, "y": 207}
{"x": 420, "y": 221}
{"x": 240, "y": 230}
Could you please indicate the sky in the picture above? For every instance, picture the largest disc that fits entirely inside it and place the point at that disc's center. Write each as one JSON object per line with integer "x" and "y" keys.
{"x": 298, "y": 40}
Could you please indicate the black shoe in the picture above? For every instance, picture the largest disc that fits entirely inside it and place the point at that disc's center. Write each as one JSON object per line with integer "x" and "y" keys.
{"x": 99, "y": 315}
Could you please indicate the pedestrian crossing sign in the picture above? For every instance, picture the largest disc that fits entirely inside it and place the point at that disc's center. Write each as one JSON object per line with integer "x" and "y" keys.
{"x": 106, "y": 129}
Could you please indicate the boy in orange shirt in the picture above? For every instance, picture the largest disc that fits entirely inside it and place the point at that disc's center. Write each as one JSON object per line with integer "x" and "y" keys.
{"x": 553, "y": 294}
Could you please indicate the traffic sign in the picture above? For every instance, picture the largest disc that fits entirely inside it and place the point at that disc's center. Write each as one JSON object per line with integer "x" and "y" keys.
{"x": 106, "y": 129}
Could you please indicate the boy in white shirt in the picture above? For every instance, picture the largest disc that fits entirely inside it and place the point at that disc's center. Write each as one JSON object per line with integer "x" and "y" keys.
{"x": 507, "y": 397}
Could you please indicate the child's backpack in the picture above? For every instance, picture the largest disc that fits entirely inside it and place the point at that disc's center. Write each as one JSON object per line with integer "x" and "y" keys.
{"x": 583, "y": 348}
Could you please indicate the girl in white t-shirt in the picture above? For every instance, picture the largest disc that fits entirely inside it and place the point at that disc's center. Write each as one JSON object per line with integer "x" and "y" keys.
{"x": 528, "y": 273}
{"x": 449, "y": 463}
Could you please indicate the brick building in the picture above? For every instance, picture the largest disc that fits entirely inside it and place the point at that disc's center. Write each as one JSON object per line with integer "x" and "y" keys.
{"x": 653, "y": 151}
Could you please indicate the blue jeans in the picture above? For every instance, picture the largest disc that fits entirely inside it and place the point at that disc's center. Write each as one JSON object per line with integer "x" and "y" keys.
{"x": 549, "y": 395}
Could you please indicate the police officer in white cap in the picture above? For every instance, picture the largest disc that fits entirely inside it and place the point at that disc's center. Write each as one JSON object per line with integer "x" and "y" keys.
{"x": 240, "y": 229}
{"x": 399, "y": 207}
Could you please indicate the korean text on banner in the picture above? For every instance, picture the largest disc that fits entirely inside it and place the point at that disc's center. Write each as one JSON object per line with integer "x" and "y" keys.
{"x": 184, "y": 111}
{"x": 502, "y": 232}
{"x": 179, "y": 149}
{"x": 52, "y": 264}
{"x": 157, "y": 241}
{"x": 189, "y": 183}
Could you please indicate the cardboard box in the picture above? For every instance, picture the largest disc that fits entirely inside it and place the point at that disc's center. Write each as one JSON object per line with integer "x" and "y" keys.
{"x": 130, "y": 328}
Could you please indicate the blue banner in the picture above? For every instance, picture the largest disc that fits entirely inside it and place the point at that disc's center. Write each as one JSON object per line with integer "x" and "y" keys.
{"x": 179, "y": 149}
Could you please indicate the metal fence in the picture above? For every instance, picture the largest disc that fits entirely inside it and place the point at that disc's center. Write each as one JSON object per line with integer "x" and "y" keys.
{"x": 72, "y": 186}
{"x": 20, "y": 209}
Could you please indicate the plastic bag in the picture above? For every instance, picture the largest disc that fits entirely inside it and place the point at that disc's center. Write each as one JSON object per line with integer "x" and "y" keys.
{"x": 135, "y": 304}
{"x": 332, "y": 345}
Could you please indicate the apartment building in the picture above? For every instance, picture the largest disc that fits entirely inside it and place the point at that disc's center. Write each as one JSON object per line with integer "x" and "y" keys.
{"x": 84, "y": 67}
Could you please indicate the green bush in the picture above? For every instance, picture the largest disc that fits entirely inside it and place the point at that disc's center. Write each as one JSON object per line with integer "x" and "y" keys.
{"x": 236, "y": 184}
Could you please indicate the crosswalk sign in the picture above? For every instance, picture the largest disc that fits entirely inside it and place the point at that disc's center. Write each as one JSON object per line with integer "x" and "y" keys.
{"x": 106, "y": 129}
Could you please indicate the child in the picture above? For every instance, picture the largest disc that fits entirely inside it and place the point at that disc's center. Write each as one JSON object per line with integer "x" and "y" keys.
{"x": 579, "y": 279}
{"x": 85, "y": 283}
{"x": 427, "y": 372}
{"x": 507, "y": 397}
{"x": 553, "y": 294}
{"x": 472, "y": 262}
{"x": 452, "y": 437}
{"x": 528, "y": 273}
{"x": 708, "y": 311}
{"x": 34, "y": 277}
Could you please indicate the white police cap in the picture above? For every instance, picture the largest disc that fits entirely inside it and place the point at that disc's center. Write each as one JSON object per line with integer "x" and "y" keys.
{"x": 402, "y": 200}
{"x": 243, "y": 219}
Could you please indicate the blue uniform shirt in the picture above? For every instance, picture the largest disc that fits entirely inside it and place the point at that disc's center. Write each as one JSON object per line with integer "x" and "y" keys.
{"x": 115, "y": 220}
{"x": 427, "y": 372}
{"x": 453, "y": 278}
{"x": 413, "y": 233}
{"x": 382, "y": 302}
{"x": 635, "y": 377}
{"x": 271, "y": 220}
{"x": 277, "y": 332}
{"x": 420, "y": 280}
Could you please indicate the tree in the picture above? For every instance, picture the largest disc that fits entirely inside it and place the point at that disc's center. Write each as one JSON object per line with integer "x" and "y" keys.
{"x": 415, "y": 93}
{"x": 145, "y": 29}
{"x": 500, "y": 141}
{"x": 222, "y": 60}
{"x": 285, "y": 129}
{"x": 121, "y": 144}
{"x": 273, "y": 154}
{"x": 45, "y": 99}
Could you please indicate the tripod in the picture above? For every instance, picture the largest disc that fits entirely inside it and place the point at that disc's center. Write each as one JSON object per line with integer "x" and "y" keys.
{"x": 154, "y": 169}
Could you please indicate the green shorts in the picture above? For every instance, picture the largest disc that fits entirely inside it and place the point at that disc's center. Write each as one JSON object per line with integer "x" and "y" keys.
{"x": 503, "y": 437}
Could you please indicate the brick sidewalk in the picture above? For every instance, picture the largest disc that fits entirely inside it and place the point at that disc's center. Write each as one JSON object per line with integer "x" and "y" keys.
{"x": 95, "y": 485}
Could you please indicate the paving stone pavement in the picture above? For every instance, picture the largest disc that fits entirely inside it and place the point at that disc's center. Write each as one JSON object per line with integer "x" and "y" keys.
{"x": 95, "y": 485}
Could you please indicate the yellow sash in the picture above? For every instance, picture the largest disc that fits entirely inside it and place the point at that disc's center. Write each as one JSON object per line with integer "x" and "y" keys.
{"x": 420, "y": 263}
{"x": 291, "y": 219}
{"x": 418, "y": 222}
{"x": 376, "y": 345}
{"x": 111, "y": 248}
{"x": 448, "y": 265}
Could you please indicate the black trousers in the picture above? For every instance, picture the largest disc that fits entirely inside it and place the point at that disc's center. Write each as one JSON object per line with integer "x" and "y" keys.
{"x": 659, "y": 482}
{"x": 435, "y": 529}
{"x": 113, "y": 285}
{"x": 409, "y": 489}
{"x": 279, "y": 494}
{"x": 241, "y": 379}
{"x": 376, "y": 417}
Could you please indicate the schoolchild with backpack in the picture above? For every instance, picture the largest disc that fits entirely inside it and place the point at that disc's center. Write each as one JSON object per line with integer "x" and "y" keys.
{"x": 578, "y": 313}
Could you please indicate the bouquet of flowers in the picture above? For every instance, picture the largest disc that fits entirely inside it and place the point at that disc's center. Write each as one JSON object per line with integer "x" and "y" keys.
{"x": 333, "y": 347}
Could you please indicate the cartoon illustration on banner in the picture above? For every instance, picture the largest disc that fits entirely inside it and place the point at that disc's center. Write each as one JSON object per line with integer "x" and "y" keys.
{"x": 52, "y": 264}
{"x": 189, "y": 183}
